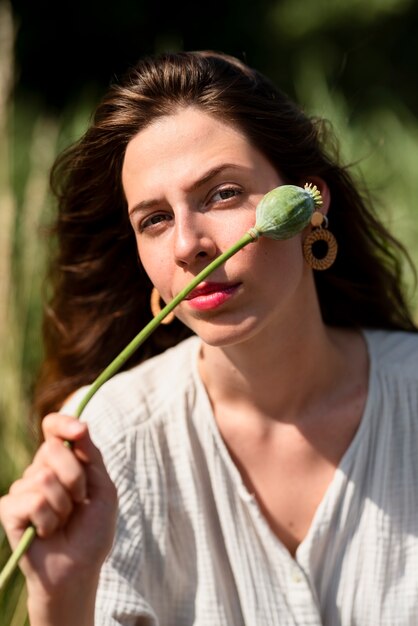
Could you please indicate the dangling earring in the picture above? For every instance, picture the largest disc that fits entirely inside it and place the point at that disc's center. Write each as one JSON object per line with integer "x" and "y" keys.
{"x": 156, "y": 308}
{"x": 320, "y": 246}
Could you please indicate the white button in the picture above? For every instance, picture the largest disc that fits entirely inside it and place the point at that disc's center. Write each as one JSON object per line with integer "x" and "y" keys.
{"x": 297, "y": 576}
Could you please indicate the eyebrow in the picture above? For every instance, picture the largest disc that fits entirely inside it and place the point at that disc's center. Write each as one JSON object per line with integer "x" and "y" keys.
{"x": 212, "y": 173}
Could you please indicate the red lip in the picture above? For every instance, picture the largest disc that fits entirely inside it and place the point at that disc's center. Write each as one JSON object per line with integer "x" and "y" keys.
{"x": 207, "y": 288}
{"x": 209, "y": 296}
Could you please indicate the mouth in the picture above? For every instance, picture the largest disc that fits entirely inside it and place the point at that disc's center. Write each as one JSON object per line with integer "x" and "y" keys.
{"x": 211, "y": 295}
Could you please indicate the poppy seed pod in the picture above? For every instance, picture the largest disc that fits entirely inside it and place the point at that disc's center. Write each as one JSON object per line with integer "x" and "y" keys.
{"x": 286, "y": 210}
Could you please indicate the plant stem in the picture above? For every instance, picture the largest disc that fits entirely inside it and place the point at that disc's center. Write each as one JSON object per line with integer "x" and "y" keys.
{"x": 19, "y": 551}
{"x": 116, "y": 364}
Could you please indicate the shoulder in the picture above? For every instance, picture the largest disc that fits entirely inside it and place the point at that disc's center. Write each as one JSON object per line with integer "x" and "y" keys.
{"x": 395, "y": 351}
{"x": 132, "y": 398}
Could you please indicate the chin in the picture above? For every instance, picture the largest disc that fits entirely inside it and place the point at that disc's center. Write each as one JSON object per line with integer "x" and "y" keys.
{"x": 221, "y": 335}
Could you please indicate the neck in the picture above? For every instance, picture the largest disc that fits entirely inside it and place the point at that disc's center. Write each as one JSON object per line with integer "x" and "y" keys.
{"x": 280, "y": 375}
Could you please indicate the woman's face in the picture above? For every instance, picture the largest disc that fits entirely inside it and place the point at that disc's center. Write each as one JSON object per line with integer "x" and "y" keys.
{"x": 192, "y": 184}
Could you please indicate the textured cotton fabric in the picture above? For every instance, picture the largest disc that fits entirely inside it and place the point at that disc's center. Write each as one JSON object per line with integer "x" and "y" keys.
{"x": 192, "y": 546}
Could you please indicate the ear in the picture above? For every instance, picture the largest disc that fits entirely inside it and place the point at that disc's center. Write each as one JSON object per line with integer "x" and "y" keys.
{"x": 324, "y": 189}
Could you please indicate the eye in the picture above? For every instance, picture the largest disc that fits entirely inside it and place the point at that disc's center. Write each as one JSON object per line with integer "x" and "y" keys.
{"x": 226, "y": 193}
{"x": 154, "y": 220}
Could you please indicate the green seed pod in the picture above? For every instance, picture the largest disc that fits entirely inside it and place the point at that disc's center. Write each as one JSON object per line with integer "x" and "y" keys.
{"x": 286, "y": 210}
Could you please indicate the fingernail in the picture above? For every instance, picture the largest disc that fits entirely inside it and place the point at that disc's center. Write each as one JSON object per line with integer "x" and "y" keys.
{"x": 75, "y": 428}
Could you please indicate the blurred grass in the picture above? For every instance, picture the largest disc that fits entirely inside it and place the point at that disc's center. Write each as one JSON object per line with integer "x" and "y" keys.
{"x": 383, "y": 144}
{"x": 29, "y": 140}
{"x": 13, "y": 448}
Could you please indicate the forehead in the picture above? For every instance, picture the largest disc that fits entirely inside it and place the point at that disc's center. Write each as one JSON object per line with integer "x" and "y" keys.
{"x": 184, "y": 142}
{"x": 189, "y": 123}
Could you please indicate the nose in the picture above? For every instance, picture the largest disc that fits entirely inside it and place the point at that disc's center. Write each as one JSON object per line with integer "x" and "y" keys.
{"x": 192, "y": 241}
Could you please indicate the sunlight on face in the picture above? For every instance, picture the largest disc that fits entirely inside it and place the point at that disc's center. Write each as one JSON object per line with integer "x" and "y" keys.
{"x": 186, "y": 166}
{"x": 192, "y": 183}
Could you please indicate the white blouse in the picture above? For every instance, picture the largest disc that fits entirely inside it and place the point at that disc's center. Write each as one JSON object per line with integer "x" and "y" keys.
{"x": 192, "y": 546}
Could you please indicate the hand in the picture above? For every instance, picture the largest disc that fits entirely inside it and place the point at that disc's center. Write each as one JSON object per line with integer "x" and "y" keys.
{"x": 69, "y": 498}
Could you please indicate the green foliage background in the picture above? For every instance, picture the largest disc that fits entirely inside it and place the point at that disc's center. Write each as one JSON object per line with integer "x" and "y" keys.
{"x": 350, "y": 61}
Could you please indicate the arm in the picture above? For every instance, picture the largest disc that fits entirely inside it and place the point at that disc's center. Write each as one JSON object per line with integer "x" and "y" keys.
{"x": 70, "y": 499}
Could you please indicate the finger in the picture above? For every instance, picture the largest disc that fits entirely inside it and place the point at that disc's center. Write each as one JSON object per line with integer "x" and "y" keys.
{"x": 83, "y": 448}
{"x": 44, "y": 481}
{"x": 18, "y": 511}
{"x": 99, "y": 484}
{"x": 63, "y": 426}
{"x": 68, "y": 470}
{"x": 71, "y": 429}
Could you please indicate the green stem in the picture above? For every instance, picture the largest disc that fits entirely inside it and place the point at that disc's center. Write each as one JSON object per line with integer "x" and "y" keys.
{"x": 24, "y": 543}
{"x": 116, "y": 364}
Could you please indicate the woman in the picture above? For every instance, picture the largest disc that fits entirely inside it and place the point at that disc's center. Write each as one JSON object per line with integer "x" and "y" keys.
{"x": 264, "y": 465}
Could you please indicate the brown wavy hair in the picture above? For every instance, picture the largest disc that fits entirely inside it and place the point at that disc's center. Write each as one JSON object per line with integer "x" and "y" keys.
{"x": 100, "y": 293}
